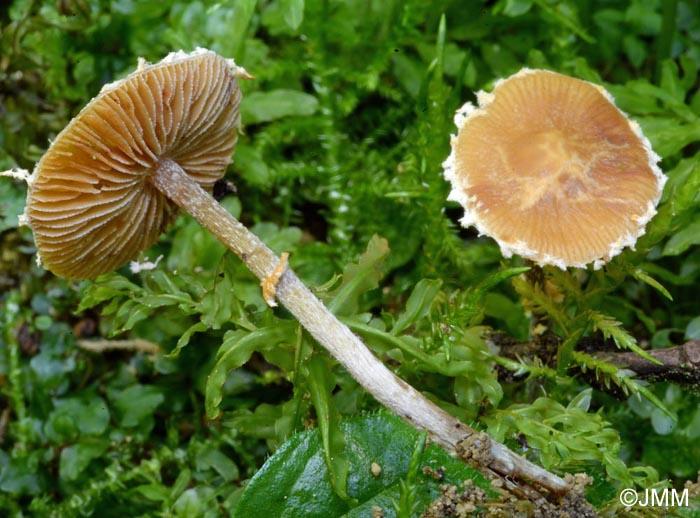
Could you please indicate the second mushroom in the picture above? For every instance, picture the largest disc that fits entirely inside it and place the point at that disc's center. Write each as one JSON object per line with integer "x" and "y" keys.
{"x": 550, "y": 168}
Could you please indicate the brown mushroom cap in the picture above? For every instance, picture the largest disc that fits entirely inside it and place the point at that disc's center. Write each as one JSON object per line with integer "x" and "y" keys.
{"x": 90, "y": 204}
{"x": 553, "y": 171}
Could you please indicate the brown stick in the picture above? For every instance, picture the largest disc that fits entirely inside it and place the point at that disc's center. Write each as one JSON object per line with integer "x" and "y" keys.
{"x": 680, "y": 364}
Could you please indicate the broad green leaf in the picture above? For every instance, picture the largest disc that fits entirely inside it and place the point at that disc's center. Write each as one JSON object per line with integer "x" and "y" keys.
{"x": 679, "y": 198}
{"x": 277, "y": 104}
{"x": 133, "y": 316}
{"x": 582, "y": 400}
{"x": 497, "y": 305}
{"x": 294, "y": 482}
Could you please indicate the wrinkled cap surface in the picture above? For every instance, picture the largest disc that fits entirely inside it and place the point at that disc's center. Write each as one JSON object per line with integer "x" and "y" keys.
{"x": 552, "y": 170}
{"x": 90, "y": 204}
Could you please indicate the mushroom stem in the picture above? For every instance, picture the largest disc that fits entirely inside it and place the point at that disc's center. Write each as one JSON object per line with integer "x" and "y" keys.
{"x": 346, "y": 347}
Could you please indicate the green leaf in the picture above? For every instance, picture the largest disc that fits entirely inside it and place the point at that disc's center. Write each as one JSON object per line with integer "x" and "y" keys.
{"x": 360, "y": 277}
{"x": 671, "y": 82}
{"x": 192, "y": 502}
{"x": 212, "y": 458}
{"x": 89, "y": 414}
{"x": 243, "y": 11}
{"x": 277, "y": 104}
{"x": 643, "y": 276}
{"x": 692, "y": 330}
{"x": 75, "y": 459}
{"x": 611, "y": 328}
{"x": 321, "y": 385}
{"x": 234, "y": 352}
{"x": 565, "y": 437}
{"x": 21, "y": 475}
{"x": 185, "y": 338}
{"x": 293, "y": 12}
{"x": 107, "y": 287}
{"x": 154, "y": 492}
{"x": 407, "y": 505}
{"x": 682, "y": 240}
{"x": 517, "y": 7}
{"x": 13, "y": 200}
{"x": 295, "y": 482}
{"x": 564, "y": 354}
{"x": 498, "y": 277}
{"x": 609, "y": 374}
{"x": 218, "y": 304}
{"x": 679, "y": 199}
{"x": 137, "y": 403}
{"x": 668, "y": 135}
{"x": 252, "y": 166}
{"x": 418, "y": 304}
{"x": 635, "y": 49}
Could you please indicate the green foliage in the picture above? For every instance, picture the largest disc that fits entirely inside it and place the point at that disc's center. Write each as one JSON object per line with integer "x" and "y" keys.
{"x": 561, "y": 437}
{"x": 295, "y": 481}
{"x": 346, "y": 126}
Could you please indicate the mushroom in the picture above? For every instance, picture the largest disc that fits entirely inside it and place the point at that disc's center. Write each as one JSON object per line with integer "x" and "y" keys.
{"x": 99, "y": 194}
{"x": 113, "y": 180}
{"x": 550, "y": 168}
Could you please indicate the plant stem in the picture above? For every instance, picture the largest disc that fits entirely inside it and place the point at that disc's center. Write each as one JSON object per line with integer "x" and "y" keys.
{"x": 347, "y": 348}
{"x": 10, "y": 323}
{"x": 669, "y": 12}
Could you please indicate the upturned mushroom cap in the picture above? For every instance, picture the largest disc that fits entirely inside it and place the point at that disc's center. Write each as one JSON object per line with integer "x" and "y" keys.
{"x": 552, "y": 170}
{"x": 90, "y": 203}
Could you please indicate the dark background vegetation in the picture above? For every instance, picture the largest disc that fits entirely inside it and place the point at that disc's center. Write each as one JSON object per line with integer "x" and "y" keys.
{"x": 346, "y": 125}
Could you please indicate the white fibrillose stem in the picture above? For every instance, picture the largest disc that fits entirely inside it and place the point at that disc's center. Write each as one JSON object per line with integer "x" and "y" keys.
{"x": 394, "y": 393}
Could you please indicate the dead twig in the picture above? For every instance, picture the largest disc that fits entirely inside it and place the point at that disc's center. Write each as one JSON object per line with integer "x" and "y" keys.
{"x": 102, "y": 346}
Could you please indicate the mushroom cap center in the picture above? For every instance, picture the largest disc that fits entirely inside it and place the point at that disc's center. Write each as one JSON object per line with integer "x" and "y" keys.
{"x": 549, "y": 167}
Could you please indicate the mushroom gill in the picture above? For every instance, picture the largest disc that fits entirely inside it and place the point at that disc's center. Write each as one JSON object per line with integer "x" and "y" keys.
{"x": 92, "y": 207}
